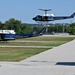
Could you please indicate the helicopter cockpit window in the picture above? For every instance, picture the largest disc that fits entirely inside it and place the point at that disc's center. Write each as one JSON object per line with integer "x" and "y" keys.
{"x": 51, "y": 18}
{"x": 38, "y": 17}
{"x": 45, "y": 18}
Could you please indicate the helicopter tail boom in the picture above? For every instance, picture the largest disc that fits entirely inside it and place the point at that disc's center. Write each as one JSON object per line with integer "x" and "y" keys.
{"x": 72, "y": 15}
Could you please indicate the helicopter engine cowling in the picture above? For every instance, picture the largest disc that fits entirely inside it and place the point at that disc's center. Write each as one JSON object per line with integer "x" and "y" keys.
{"x": 49, "y": 15}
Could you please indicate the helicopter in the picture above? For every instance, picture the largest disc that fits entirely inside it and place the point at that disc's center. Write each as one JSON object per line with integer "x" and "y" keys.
{"x": 50, "y": 17}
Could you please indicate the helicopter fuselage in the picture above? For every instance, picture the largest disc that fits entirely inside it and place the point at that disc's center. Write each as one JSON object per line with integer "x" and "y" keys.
{"x": 52, "y": 17}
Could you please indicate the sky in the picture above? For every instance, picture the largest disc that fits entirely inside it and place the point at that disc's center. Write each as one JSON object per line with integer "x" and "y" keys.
{"x": 25, "y": 10}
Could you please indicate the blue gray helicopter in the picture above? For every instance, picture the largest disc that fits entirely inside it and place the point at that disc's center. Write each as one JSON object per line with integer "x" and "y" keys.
{"x": 50, "y": 17}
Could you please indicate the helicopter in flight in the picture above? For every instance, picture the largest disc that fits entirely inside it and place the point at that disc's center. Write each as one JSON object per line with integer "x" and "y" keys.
{"x": 50, "y": 17}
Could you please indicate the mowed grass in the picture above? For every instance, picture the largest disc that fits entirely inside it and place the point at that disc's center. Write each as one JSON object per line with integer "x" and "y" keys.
{"x": 49, "y": 38}
{"x": 18, "y": 54}
{"x": 41, "y": 43}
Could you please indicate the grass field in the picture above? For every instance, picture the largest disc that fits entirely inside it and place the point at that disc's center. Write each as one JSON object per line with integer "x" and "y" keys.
{"x": 17, "y": 53}
{"x": 41, "y": 43}
{"x": 49, "y": 38}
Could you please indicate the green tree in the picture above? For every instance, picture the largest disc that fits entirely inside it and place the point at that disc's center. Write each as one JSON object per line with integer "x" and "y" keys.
{"x": 1, "y": 25}
{"x": 71, "y": 29}
{"x": 25, "y": 29}
{"x": 36, "y": 29}
{"x": 13, "y": 24}
{"x": 51, "y": 29}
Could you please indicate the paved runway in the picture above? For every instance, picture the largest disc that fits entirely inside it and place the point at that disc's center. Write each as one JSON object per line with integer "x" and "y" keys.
{"x": 57, "y": 61}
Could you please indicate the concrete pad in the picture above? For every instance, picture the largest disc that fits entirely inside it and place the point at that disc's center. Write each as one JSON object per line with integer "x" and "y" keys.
{"x": 64, "y": 53}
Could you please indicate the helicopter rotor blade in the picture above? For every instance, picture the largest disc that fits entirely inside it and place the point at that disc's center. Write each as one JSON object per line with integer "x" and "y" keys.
{"x": 45, "y": 9}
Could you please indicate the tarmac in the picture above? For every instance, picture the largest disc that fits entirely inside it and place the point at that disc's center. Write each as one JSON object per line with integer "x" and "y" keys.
{"x": 56, "y": 61}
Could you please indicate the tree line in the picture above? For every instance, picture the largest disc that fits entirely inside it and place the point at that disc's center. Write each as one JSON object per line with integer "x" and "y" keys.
{"x": 17, "y": 25}
{"x": 24, "y": 28}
